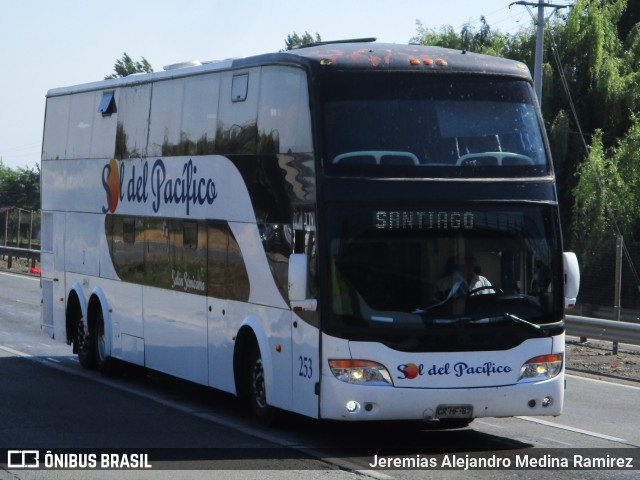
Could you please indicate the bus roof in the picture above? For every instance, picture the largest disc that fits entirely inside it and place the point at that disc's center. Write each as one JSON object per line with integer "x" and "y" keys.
{"x": 337, "y": 56}
{"x": 395, "y": 57}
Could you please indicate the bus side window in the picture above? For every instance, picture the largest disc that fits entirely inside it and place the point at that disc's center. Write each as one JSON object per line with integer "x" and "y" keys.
{"x": 133, "y": 122}
{"x": 227, "y": 276}
{"x": 237, "y": 279}
{"x": 218, "y": 240}
{"x": 126, "y": 242}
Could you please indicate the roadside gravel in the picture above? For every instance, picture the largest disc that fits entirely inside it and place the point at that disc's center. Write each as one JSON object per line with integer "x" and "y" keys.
{"x": 596, "y": 358}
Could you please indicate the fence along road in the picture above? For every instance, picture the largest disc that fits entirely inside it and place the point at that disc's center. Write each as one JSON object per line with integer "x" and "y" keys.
{"x": 601, "y": 329}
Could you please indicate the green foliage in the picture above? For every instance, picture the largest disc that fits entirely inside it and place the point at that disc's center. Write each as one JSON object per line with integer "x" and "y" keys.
{"x": 608, "y": 191}
{"x": 294, "y": 40}
{"x": 482, "y": 40}
{"x": 20, "y": 188}
{"x": 126, "y": 66}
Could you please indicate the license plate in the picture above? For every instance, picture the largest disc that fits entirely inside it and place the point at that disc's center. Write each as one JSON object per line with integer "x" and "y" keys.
{"x": 454, "y": 411}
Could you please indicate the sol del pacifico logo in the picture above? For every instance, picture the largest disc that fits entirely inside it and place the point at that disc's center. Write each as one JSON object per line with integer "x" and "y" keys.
{"x": 154, "y": 183}
{"x": 111, "y": 184}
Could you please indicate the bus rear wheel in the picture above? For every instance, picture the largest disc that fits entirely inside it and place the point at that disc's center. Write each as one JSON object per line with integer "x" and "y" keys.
{"x": 85, "y": 346}
{"x": 106, "y": 364}
{"x": 257, "y": 391}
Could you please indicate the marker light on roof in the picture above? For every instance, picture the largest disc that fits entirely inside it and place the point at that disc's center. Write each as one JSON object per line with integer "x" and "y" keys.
{"x": 441, "y": 62}
{"x": 325, "y": 62}
{"x": 414, "y": 61}
{"x": 428, "y": 61}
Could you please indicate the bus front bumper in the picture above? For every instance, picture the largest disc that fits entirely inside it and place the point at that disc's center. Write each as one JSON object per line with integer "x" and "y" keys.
{"x": 348, "y": 402}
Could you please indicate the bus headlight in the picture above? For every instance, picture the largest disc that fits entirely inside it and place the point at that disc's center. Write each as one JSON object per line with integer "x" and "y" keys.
{"x": 541, "y": 367}
{"x": 360, "y": 372}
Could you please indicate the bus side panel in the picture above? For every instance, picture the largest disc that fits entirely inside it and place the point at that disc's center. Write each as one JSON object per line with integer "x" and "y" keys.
{"x": 305, "y": 345}
{"x": 175, "y": 333}
{"x": 84, "y": 241}
{"x": 53, "y": 279}
{"x": 221, "y": 330}
{"x": 125, "y": 302}
{"x": 272, "y": 328}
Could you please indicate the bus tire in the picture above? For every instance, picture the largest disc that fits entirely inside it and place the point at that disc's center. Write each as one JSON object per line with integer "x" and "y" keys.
{"x": 105, "y": 363}
{"x": 257, "y": 391}
{"x": 85, "y": 345}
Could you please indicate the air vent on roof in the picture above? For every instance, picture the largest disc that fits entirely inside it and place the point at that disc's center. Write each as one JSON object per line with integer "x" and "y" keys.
{"x": 175, "y": 66}
{"x": 329, "y": 42}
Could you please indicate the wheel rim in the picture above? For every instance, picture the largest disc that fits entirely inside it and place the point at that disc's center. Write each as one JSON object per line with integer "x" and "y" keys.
{"x": 82, "y": 338}
{"x": 257, "y": 384}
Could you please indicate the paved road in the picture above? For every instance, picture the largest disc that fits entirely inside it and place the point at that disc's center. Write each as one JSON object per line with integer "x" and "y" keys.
{"x": 49, "y": 401}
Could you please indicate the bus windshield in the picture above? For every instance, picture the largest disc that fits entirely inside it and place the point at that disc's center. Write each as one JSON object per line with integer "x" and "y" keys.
{"x": 444, "y": 278}
{"x": 431, "y": 126}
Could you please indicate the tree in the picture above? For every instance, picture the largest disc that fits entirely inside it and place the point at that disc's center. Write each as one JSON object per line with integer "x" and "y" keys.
{"x": 294, "y": 40}
{"x": 483, "y": 40}
{"x": 126, "y": 66}
{"x": 20, "y": 188}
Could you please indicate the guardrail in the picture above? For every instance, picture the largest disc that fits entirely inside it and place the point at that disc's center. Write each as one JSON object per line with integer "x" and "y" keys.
{"x": 601, "y": 329}
{"x": 11, "y": 252}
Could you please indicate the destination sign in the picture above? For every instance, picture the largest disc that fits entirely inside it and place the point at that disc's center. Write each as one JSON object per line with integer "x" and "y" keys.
{"x": 422, "y": 220}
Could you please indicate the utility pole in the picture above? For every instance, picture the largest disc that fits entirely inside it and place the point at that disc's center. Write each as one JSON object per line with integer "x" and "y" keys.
{"x": 540, "y": 21}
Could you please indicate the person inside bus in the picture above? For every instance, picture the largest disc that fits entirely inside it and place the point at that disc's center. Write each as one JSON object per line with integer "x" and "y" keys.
{"x": 479, "y": 285}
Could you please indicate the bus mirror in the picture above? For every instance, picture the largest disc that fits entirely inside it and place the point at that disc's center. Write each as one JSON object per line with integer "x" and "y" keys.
{"x": 298, "y": 278}
{"x": 571, "y": 279}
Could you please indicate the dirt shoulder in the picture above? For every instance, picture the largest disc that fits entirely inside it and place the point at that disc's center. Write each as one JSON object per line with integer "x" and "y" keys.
{"x": 18, "y": 265}
{"x": 595, "y": 358}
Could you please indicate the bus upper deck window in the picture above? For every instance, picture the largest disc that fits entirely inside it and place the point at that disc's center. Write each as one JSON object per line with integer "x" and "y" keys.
{"x": 239, "y": 88}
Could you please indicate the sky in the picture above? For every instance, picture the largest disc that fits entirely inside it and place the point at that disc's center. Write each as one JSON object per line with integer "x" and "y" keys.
{"x": 46, "y": 44}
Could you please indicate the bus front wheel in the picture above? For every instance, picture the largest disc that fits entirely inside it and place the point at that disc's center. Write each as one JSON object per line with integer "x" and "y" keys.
{"x": 257, "y": 391}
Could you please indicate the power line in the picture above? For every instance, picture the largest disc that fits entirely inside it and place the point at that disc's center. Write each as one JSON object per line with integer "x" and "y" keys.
{"x": 537, "y": 71}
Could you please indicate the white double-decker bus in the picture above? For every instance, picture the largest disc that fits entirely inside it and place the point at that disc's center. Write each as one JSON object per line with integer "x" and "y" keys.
{"x": 350, "y": 231}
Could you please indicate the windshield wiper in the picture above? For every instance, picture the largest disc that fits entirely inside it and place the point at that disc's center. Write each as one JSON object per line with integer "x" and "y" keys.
{"x": 517, "y": 319}
{"x": 514, "y": 318}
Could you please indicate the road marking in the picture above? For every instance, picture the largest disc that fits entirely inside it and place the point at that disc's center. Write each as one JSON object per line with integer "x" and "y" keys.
{"x": 186, "y": 407}
{"x": 492, "y": 425}
{"x": 552, "y": 440}
{"x": 573, "y": 429}
{"x": 7, "y": 348}
{"x": 587, "y": 379}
